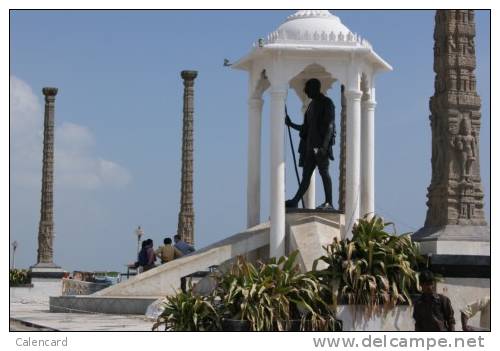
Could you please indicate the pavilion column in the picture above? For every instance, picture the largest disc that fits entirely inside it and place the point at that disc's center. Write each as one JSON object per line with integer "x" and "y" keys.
{"x": 353, "y": 139}
{"x": 277, "y": 235}
{"x": 254, "y": 161}
{"x": 310, "y": 195}
{"x": 367, "y": 157}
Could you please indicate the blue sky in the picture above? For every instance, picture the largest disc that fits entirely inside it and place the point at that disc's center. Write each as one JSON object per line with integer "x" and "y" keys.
{"x": 119, "y": 113}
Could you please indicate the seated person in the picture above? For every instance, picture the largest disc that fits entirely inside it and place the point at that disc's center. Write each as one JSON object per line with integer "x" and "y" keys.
{"x": 167, "y": 252}
{"x": 182, "y": 246}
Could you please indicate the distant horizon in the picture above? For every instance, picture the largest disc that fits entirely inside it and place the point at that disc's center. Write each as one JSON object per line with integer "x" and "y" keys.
{"x": 118, "y": 116}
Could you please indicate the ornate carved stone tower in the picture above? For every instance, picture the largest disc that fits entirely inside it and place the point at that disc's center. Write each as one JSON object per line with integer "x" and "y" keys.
{"x": 45, "y": 266}
{"x": 185, "y": 226}
{"x": 455, "y": 195}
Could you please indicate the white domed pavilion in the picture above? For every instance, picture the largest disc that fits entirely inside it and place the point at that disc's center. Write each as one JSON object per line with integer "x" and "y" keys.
{"x": 311, "y": 44}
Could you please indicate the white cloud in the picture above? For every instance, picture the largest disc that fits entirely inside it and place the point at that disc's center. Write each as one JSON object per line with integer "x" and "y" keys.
{"x": 76, "y": 165}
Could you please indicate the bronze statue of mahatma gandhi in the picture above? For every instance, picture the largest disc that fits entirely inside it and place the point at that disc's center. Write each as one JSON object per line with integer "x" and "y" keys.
{"x": 317, "y": 137}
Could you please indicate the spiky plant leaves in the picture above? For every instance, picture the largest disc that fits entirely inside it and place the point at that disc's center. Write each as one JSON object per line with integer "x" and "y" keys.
{"x": 374, "y": 268}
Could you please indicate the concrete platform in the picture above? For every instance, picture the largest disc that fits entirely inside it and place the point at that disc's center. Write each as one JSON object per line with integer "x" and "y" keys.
{"x": 43, "y": 319}
{"x": 101, "y": 304}
{"x": 29, "y": 311}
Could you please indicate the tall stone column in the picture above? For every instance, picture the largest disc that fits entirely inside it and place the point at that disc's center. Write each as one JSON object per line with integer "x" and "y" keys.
{"x": 185, "y": 227}
{"x": 277, "y": 200}
{"x": 353, "y": 154}
{"x": 254, "y": 160}
{"x": 455, "y": 222}
{"x": 455, "y": 236}
{"x": 45, "y": 266}
{"x": 342, "y": 170}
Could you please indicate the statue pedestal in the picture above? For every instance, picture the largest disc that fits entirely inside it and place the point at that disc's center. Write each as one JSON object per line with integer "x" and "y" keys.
{"x": 46, "y": 270}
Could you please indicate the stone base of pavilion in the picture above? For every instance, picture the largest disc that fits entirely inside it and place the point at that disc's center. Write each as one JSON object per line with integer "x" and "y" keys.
{"x": 307, "y": 231}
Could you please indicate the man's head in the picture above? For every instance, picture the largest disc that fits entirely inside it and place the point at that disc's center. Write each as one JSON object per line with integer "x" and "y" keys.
{"x": 427, "y": 282}
{"x": 312, "y": 88}
{"x": 167, "y": 241}
{"x": 177, "y": 238}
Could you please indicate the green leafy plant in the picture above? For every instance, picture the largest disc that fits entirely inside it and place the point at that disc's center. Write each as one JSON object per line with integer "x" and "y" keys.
{"x": 19, "y": 277}
{"x": 273, "y": 295}
{"x": 186, "y": 311}
{"x": 374, "y": 268}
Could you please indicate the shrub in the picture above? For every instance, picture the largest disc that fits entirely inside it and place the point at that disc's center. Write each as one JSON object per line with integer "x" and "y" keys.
{"x": 19, "y": 277}
{"x": 374, "y": 268}
{"x": 271, "y": 295}
{"x": 188, "y": 312}
{"x": 266, "y": 297}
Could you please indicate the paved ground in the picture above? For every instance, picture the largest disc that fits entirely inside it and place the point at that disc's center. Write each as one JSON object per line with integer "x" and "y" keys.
{"x": 29, "y": 310}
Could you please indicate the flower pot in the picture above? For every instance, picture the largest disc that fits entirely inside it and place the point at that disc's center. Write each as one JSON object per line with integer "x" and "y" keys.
{"x": 235, "y": 325}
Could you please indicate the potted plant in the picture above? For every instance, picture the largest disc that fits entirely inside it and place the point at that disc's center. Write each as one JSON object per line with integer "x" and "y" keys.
{"x": 375, "y": 269}
{"x": 186, "y": 311}
{"x": 272, "y": 296}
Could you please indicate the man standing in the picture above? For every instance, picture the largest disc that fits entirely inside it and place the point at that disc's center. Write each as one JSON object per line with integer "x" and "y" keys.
{"x": 182, "y": 246}
{"x": 317, "y": 136}
{"x": 432, "y": 312}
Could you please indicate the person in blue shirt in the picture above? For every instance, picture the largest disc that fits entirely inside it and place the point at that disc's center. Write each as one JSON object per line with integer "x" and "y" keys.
{"x": 182, "y": 246}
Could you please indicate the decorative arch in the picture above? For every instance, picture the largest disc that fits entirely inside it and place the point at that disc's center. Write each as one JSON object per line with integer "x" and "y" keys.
{"x": 313, "y": 70}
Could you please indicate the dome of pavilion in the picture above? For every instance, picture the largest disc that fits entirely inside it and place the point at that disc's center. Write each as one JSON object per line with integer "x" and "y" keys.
{"x": 313, "y": 27}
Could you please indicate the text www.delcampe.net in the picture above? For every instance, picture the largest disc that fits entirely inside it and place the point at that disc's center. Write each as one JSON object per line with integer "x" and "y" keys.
{"x": 388, "y": 342}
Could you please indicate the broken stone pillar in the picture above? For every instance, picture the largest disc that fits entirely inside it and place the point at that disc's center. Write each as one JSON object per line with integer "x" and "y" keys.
{"x": 186, "y": 215}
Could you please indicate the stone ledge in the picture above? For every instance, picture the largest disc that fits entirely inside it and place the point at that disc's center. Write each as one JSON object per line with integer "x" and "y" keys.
{"x": 453, "y": 232}
{"x": 101, "y": 304}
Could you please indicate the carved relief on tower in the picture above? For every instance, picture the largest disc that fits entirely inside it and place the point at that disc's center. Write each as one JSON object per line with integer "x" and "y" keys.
{"x": 465, "y": 147}
{"x": 439, "y": 140}
{"x": 451, "y": 46}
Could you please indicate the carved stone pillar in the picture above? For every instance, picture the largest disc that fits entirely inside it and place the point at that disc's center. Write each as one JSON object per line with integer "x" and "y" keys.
{"x": 185, "y": 226}
{"x": 45, "y": 266}
{"x": 455, "y": 196}
{"x": 343, "y": 114}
